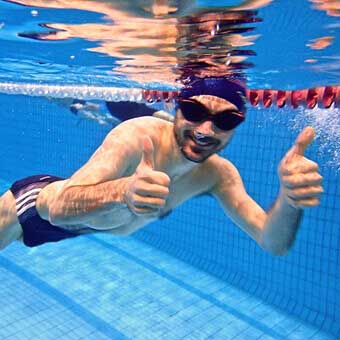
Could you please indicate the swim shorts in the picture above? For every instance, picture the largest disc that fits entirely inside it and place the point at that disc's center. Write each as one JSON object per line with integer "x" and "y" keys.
{"x": 36, "y": 231}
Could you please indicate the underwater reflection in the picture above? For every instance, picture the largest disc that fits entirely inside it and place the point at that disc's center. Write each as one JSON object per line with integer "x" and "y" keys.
{"x": 169, "y": 39}
{"x": 331, "y": 7}
{"x": 321, "y": 43}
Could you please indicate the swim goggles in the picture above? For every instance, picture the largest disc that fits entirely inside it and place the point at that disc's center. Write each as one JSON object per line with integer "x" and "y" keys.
{"x": 195, "y": 112}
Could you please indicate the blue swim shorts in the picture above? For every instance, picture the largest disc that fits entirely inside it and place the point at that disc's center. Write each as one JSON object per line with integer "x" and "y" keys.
{"x": 36, "y": 231}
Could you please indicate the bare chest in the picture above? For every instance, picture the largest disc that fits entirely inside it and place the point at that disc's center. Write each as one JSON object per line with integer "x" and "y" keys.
{"x": 180, "y": 190}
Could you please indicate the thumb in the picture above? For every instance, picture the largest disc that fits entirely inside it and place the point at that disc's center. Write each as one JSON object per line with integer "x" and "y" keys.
{"x": 303, "y": 140}
{"x": 148, "y": 150}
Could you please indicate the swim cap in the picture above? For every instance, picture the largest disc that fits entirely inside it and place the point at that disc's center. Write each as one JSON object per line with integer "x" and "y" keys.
{"x": 233, "y": 90}
{"x": 125, "y": 110}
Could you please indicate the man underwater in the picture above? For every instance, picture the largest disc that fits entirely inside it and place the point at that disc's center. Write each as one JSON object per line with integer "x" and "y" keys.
{"x": 147, "y": 166}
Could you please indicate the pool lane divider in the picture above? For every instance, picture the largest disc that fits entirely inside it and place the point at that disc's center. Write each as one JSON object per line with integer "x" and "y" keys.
{"x": 96, "y": 322}
{"x": 322, "y": 96}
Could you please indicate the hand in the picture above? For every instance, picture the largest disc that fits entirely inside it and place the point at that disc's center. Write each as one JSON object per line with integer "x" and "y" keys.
{"x": 299, "y": 177}
{"x": 147, "y": 189}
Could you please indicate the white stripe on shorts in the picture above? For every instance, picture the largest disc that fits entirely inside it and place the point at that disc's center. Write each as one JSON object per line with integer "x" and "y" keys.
{"x": 26, "y": 207}
{"x": 28, "y": 193}
{"x": 26, "y": 200}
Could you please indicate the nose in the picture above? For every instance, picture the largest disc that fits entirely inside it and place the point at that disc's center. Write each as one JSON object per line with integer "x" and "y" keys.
{"x": 205, "y": 128}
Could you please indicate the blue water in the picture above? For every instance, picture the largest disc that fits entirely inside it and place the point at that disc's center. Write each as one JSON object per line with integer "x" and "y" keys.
{"x": 137, "y": 292}
{"x": 193, "y": 275}
{"x": 281, "y": 45}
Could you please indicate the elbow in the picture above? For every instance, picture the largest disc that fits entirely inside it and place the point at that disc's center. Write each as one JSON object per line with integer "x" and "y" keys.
{"x": 124, "y": 233}
{"x": 121, "y": 231}
{"x": 278, "y": 244}
{"x": 275, "y": 248}
{"x": 277, "y": 251}
{"x": 59, "y": 211}
{"x": 55, "y": 217}
{"x": 56, "y": 213}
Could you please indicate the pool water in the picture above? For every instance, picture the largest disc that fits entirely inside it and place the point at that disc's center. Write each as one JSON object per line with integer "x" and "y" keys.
{"x": 101, "y": 287}
{"x": 193, "y": 275}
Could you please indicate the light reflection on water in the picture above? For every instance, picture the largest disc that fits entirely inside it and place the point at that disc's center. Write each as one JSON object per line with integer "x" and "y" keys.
{"x": 162, "y": 39}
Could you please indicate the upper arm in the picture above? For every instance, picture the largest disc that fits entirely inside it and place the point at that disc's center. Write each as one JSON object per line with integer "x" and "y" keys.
{"x": 229, "y": 190}
{"x": 110, "y": 161}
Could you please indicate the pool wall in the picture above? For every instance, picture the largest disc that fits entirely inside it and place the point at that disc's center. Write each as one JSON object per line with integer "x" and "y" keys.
{"x": 40, "y": 137}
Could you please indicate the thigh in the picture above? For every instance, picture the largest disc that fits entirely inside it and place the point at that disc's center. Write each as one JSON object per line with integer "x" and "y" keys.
{"x": 10, "y": 228}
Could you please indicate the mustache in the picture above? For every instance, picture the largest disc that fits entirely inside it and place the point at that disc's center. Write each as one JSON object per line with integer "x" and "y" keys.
{"x": 203, "y": 138}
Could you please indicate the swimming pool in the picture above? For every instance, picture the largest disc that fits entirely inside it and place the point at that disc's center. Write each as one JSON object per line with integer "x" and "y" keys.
{"x": 193, "y": 275}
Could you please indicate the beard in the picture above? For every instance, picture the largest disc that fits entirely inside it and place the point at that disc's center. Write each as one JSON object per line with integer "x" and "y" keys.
{"x": 194, "y": 153}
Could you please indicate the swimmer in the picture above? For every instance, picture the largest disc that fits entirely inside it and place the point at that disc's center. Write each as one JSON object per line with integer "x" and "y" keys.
{"x": 109, "y": 112}
{"x": 147, "y": 166}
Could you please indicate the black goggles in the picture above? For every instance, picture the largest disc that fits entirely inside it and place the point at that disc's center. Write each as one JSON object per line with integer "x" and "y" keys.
{"x": 195, "y": 112}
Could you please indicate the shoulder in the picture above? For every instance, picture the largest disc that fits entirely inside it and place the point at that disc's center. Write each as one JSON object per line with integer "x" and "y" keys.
{"x": 131, "y": 131}
{"x": 219, "y": 166}
{"x": 141, "y": 126}
{"x": 223, "y": 171}
{"x": 126, "y": 139}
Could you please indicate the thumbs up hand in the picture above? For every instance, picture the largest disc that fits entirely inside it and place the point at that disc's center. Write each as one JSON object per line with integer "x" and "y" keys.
{"x": 147, "y": 189}
{"x": 299, "y": 177}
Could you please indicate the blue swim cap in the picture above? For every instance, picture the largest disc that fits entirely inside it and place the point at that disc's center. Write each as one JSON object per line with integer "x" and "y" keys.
{"x": 231, "y": 89}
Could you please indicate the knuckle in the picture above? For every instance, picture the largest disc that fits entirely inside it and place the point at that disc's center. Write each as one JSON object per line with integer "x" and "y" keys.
{"x": 291, "y": 195}
{"x": 136, "y": 200}
{"x": 283, "y": 171}
{"x": 294, "y": 181}
{"x": 166, "y": 180}
{"x": 295, "y": 193}
{"x": 310, "y": 202}
{"x": 319, "y": 178}
{"x": 145, "y": 176}
{"x": 162, "y": 202}
{"x": 138, "y": 187}
{"x": 299, "y": 192}
{"x": 286, "y": 169}
{"x": 314, "y": 164}
{"x": 140, "y": 211}
{"x": 157, "y": 202}
{"x": 319, "y": 189}
{"x": 285, "y": 177}
{"x": 291, "y": 181}
{"x": 311, "y": 165}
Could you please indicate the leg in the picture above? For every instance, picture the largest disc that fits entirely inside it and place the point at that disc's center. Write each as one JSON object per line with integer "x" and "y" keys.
{"x": 10, "y": 228}
{"x": 34, "y": 229}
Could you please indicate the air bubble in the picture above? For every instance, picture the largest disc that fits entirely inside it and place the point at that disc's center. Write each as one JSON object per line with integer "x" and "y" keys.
{"x": 326, "y": 123}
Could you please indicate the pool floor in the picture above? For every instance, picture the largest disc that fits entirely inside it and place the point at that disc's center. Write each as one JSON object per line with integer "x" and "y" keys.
{"x": 104, "y": 287}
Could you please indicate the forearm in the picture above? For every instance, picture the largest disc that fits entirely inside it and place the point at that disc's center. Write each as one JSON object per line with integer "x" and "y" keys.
{"x": 80, "y": 204}
{"x": 280, "y": 227}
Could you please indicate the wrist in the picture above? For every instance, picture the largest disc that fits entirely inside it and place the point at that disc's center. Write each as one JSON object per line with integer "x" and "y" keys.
{"x": 286, "y": 202}
{"x": 124, "y": 190}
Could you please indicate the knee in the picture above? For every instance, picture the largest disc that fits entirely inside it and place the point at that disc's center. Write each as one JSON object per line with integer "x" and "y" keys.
{"x": 10, "y": 228}
{"x": 3, "y": 243}
{"x": 8, "y": 234}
